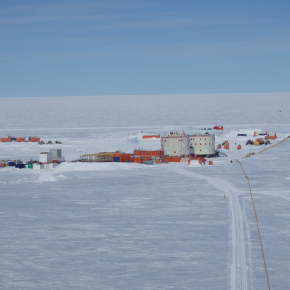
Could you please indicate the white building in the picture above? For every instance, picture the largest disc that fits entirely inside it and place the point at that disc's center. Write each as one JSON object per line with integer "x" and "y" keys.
{"x": 56, "y": 153}
{"x": 202, "y": 144}
{"x": 45, "y": 157}
{"x": 175, "y": 145}
{"x": 184, "y": 145}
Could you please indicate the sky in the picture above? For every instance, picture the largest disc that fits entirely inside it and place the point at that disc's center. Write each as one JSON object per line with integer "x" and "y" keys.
{"x": 126, "y": 47}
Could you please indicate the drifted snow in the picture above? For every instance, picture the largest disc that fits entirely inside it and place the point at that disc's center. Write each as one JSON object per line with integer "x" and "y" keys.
{"x": 132, "y": 226}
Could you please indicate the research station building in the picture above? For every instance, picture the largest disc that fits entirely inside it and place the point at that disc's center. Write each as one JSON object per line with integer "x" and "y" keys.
{"x": 185, "y": 145}
{"x": 202, "y": 144}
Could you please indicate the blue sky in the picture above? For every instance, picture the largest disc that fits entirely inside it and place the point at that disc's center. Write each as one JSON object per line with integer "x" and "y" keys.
{"x": 74, "y": 48}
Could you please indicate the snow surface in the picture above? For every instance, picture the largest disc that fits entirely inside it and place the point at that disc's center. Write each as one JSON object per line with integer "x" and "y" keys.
{"x": 132, "y": 226}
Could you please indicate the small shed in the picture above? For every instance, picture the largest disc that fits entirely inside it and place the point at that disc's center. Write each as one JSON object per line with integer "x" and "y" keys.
{"x": 45, "y": 157}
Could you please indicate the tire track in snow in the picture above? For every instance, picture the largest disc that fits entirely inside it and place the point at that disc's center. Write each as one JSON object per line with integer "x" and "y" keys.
{"x": 239, "y": 268}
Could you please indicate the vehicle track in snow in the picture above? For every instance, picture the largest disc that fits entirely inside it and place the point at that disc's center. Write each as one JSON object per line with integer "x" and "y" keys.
{"x": 239, "y": 269}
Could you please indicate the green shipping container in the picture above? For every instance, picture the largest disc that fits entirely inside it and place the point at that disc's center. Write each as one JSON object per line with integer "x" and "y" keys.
{"x": 30, "y": 165}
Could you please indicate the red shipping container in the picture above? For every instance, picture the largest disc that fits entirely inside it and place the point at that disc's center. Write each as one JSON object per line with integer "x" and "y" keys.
{"x": 218, "y": 127}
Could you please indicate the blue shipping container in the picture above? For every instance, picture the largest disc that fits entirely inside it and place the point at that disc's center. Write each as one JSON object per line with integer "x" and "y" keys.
{"x": 11, "y": 163}
{"x": 12, "y": 139}
{"x": 242, "y": 135}
{"x": 116, "y": 159}
{"x": 17, "y": 165}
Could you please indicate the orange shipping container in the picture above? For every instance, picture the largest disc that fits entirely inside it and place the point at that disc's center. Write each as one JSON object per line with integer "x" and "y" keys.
{"x": 5, "y": 140}
{"x": 172, "y": 159}
{"x": 239, "y": 147}
{"x": 142, "y": 159}
{"x": 227, "y": 147}
{"x": 271, "y": 137}
{"x": 151, "y": 153}
{"x": 210, "y": 163}
{"x": 219, "y": 146}
{"x": 22, "y": 139}
{"x": 151, "y": 136}
{"x": 34, "y": 139}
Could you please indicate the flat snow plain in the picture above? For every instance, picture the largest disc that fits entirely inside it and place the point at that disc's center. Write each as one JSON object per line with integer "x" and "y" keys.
{"x": 132, "y": 226}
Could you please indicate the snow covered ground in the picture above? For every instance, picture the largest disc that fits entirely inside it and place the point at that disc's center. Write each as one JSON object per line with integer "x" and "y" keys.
{"x": 132, "y": 226}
